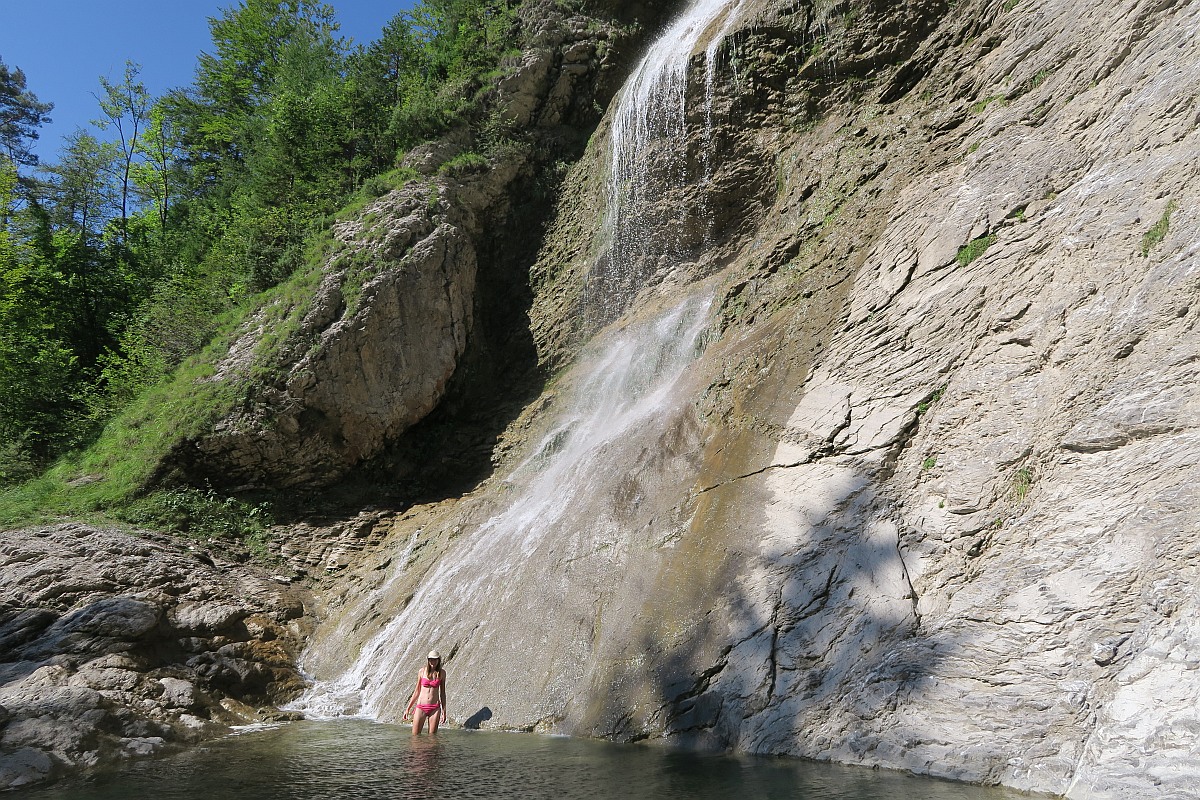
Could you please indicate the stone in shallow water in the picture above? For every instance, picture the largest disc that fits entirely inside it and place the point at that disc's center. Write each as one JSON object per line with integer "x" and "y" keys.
{"x": 24, "y": 767}
{"x": 142, "y": 746}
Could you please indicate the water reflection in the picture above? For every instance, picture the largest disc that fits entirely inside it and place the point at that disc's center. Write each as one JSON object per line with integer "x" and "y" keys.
{"x": 358, "y": 760}
{"x": 420, "y": 762}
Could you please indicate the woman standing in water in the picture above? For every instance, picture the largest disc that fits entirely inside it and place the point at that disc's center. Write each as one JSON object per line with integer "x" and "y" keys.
{"x": 429, "y": 698}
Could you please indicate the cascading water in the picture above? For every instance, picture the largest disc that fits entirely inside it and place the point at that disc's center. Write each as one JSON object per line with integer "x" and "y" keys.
{"x": 531, "y": 577}
{"x": 628, "y": 384}
{"x": 648, "y": 157}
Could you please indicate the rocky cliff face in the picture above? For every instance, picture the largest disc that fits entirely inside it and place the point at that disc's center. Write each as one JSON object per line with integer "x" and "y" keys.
{"x": 926, "y": 500}
{"x": 402, "y": 304}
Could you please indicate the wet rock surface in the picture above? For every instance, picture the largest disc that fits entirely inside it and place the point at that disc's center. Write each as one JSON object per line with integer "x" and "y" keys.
{"x": 115, "y": 645}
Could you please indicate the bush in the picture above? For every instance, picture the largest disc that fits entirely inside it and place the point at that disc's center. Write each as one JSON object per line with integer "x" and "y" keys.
{"x": 974, "y": 249}
{"x": 1158, "y": 231}
{"x": 16, "y": 462}
{"x": 464, "y": 164}
{"x": 202, "y": 514}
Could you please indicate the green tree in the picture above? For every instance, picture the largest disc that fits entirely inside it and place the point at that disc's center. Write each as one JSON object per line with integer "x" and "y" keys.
{"x": 253, "y": 46}
{"x": 21, "y": 114}
{"x": 95, "y": 282}
{"x": 37, "y": 369}
{"x": 377, "y": 82}
{"x": 125, "y": 106}
{"x": 157, "y": 174}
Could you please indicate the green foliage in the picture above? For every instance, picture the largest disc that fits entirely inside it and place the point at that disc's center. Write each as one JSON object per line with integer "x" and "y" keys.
{"x": 464, "y": 164}
{"x": 929, "y": 463}
{"x": 37, "y": 411}
{"x": 21, "y": 114}
{"x": 974, "y": 249}
{"x": 127, "y": 274}
{"x": 1039, "y": 78}
{"x": 424, "y": 74}
{"x": 1153, "y": 237}
{"x": 125, "y": 107}
{"x": 1009, "y": 5}
{"x": 380, "y": 185}
{"x": 1022, "y": 481}
{"x": 978, "y": 107}
{"x": 936, "y": 395}
{"x": 201, "y": 514}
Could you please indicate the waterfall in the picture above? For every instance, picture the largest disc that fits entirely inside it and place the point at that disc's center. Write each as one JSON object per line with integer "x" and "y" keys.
{"x": 627, "y": 383}
{"x": 528, "y": 578}
{"x": 648, "y": 157}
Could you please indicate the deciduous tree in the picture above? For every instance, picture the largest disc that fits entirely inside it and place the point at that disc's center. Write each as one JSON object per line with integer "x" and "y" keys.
{"x": 125, "y": 106}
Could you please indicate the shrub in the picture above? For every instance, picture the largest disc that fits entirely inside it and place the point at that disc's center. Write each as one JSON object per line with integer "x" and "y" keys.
{"x": 974, "y": 249}
{"x": 1021, "y": 482}
{"x": 978, "y": 107}
{"x": 464, "y": 164}
{"x": 202, "y": 514}
{"x": 1153, "y": 237}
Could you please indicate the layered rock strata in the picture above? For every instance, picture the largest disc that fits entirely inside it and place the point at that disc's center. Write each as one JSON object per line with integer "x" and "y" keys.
{"x": 115, "y": 646}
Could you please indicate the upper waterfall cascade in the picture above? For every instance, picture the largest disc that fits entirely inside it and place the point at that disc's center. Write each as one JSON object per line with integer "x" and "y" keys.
{"x": 648, "y": 154}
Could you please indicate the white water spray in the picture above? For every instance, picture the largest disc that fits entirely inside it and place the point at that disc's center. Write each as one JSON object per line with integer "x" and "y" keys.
{"x": 648, "y": 155}
{"x": 627, "y": 385}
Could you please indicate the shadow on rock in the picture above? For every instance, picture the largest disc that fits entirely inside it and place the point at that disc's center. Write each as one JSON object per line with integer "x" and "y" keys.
{"x": 481, "y": 716}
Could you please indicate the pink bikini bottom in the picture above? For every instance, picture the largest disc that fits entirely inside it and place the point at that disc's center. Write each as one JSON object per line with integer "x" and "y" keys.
{"x": 428, "y": 708}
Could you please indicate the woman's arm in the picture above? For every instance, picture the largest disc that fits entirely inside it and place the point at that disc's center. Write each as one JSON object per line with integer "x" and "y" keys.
{"x": 412, "y": 700}
{"x": 442, "y": 688}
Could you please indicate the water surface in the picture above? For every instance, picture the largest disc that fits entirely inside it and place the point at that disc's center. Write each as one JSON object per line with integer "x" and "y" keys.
{"x": 359, "y": 760}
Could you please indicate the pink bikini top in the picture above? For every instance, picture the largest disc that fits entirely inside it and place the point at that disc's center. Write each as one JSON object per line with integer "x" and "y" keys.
{"x": 436, "y": 682}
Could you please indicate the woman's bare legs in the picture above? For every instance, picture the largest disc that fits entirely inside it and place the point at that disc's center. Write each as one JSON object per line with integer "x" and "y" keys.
{"x": 434, "y": 719}
{"x": 419, "y": 721}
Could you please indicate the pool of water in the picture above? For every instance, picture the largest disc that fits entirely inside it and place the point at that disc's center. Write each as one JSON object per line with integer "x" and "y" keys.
{"x": 360, "y": 760}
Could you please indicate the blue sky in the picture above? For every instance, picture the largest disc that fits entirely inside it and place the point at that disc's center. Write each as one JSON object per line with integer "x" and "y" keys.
{"x": 64, "y": 46}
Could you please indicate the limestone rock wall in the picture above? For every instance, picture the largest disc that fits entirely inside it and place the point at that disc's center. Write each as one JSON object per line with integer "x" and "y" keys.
{"x": 930, "y": 503}
{"x": 966, "y": 553}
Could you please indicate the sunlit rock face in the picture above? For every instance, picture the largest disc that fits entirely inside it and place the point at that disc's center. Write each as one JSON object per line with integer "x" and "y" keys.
{"x": 913, "y": 314}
